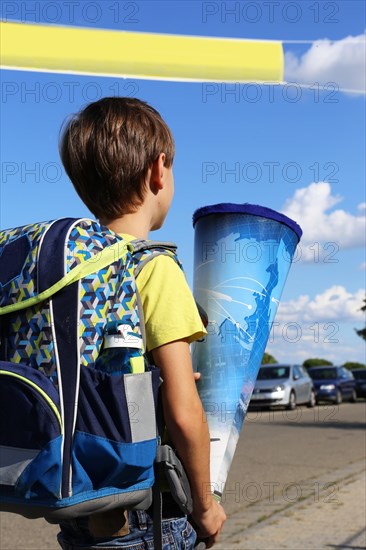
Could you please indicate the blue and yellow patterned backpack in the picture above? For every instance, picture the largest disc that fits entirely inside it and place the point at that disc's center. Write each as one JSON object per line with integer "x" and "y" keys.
{"x": 73, "y": 439}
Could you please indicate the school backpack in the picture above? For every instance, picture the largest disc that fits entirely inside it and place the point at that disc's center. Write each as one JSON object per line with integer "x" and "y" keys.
{"x": 73, "y": 440}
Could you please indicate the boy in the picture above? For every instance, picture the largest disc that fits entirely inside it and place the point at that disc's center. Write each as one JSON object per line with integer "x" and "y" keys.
{"x": 118, "y": 153}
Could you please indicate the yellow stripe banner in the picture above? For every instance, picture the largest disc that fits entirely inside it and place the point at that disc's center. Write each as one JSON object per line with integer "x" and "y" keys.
{"x": 141, "y": 55}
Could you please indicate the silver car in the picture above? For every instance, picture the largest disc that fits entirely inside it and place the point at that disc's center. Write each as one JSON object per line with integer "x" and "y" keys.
{"x": 283, "y": 385}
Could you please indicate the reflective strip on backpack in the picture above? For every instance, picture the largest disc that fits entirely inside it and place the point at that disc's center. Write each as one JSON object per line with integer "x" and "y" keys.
{"x": 60, "y": 381}
{"x": 141, "y": 407}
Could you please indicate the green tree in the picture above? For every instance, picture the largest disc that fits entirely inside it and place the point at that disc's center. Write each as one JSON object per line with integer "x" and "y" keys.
{"x": 362, "y": 331}
{"x": 354, "y": 365}
{"x": 315, "y": 362}
{"x": 268, "y": 359}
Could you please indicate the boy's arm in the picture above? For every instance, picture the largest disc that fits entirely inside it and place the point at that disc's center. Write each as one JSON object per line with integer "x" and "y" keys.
{"x": 188, "y": 430}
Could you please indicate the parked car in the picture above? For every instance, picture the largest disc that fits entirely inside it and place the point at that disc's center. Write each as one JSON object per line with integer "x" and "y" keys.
{"x": 333, "y": 383}
{"x": 283, "y": 385}
{"x": 360, "y": 378}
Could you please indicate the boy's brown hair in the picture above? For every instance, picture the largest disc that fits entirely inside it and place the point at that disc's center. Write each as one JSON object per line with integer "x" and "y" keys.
{"x": 107, "y": 150}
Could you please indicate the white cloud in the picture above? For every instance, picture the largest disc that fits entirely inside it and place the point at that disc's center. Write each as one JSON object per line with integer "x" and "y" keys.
{"x": 342, "y": 62}
{"x": 337, "y": 230}
{"x": 363, "y": 265}
{"x": 361, "y": 206}
{"x": 322, "y": 326}
{"x": 335, "y": 304}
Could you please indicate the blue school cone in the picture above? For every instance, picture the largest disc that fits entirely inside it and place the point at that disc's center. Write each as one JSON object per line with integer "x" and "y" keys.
{"x": 243, "y": 254}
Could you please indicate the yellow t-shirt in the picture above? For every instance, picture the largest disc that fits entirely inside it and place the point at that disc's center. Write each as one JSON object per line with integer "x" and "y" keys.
{"x": 169, "y": 308}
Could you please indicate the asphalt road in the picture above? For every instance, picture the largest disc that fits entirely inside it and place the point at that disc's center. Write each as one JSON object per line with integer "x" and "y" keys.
{"x": 291, "y": 469}
{"x": 298, "y": 481}
{"x": 279, "y": 448}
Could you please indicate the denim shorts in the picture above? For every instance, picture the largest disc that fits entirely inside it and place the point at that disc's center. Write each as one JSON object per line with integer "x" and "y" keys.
{"x": 178, "y": 534}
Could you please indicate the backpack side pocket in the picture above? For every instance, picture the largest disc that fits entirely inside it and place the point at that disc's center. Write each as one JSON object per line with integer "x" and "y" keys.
{"x": 31, "y": 433}
{"x": 115, "y": 440}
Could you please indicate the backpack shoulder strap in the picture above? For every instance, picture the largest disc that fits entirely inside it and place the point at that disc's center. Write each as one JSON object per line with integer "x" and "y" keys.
{"x": 144, "y": 251}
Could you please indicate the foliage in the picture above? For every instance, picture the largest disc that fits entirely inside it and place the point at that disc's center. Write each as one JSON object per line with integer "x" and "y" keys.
{"x": 354, "y": 365}
{"x": 362, "y": 331}
{"x": 268, "y": 359}
{"x": 315, "y": 362}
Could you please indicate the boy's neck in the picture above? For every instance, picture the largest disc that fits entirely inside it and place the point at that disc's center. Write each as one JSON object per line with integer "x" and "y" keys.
{"x": 132, "y": 224}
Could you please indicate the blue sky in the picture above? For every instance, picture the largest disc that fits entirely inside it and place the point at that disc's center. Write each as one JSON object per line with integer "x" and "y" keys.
{"x": 295, "y": 149}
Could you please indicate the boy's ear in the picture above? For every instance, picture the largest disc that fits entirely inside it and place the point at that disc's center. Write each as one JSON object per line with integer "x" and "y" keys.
{"x": 157, "y": 173}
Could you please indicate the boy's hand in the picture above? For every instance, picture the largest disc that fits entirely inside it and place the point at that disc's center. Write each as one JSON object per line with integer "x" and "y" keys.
{"x": 210, "y": 523}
